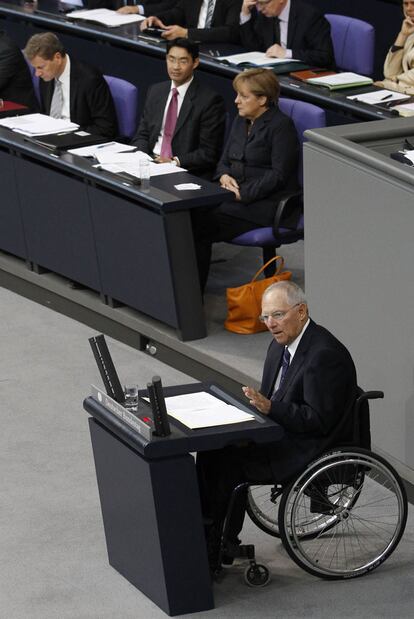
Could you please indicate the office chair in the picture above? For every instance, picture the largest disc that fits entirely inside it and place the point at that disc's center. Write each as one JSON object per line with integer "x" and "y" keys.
{"x": 353, "y": 42}
{"x": 125, "y": 97}
{"x": 305, "y": 116}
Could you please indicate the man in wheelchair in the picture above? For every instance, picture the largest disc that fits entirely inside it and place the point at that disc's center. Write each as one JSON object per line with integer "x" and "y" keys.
{"x": 309, "y": 387}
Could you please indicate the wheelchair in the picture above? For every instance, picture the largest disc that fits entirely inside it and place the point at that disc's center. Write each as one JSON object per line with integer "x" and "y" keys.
{"x": 339, "y": 519}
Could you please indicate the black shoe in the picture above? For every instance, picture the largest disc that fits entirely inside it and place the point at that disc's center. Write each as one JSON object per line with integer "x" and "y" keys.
{"x": 231, "y": 551}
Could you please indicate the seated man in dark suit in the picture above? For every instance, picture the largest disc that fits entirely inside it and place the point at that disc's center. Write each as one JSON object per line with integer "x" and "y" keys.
{"x": 287, "y": 29}
{"x": 308, "y": 387}
{"x": 183, "y": 120}
{"x": 200, "y": 20}
{"x": 15, "y": 80}
{"x": 71, "y": 89}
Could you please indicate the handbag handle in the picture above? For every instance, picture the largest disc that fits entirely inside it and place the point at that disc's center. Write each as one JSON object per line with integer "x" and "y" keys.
{"x": 278, "y": 268}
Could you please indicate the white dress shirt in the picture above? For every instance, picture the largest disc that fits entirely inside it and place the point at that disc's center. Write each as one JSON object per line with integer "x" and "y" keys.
{"x": 292, "y": 348}
{"x": 182, "y": 91}
{"x": 64, "y": 79}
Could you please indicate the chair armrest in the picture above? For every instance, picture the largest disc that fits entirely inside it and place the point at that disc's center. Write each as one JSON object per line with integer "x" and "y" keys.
{"x": 289, "y": 210}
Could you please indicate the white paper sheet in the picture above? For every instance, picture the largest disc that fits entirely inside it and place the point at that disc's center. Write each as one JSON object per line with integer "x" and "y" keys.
{"x": 203, "y": 410}
{"x": 111, "y": 19}
{"x": 38, "y": 124}
{"x": 379, "y": 96}
{"x": 259, "y": 59}
{"x": 89, "y": 151}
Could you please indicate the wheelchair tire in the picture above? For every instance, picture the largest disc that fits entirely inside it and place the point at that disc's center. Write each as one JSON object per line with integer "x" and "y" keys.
{"x": 256, "y": 575}
{"x": 364, "y": 521}
{"x": 263, "y": 507}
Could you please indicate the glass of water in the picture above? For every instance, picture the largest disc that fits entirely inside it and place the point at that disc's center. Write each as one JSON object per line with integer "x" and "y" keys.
{"x": 145, "y": 175}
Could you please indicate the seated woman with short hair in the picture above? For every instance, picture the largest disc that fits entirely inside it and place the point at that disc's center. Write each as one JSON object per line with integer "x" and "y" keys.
{"x": 260, "y": 160}
{"x": 399, "y": 63}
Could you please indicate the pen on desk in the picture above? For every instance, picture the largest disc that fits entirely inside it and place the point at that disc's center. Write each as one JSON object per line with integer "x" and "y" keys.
{"x": 386, "y": 97}
{"x": 105, "y": 145}
{"x": 294, "y": 85}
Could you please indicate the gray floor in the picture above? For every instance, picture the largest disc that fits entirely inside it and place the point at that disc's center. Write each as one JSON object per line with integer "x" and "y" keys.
{"x": 54, "y": 564}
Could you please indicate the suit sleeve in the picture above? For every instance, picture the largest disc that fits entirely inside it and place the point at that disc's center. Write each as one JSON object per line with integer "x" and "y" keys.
{"x": 142, "y": 137}
{"x": 317, "y": 46}
{"x": 211, "y": 132}
{"x": 9, "y": 63}
{"x": 102, "y": 111}
{"x": 170, "y": 17}
{"x": 327, "y": 389}
{"x": 224, "y": 165}
{"x": 283, "y": 144}
{"x": 250, "y": 39}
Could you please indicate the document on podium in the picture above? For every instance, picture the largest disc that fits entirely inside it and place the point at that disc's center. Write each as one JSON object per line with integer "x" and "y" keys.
{"x": 203, "y": 410}
{"x": 38, "y": 124}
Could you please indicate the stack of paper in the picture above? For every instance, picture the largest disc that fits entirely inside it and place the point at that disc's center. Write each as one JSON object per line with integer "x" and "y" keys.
{"x": 340, "y": 80}
{"x": 406, "y": 109}
{"x": 113, "y": 147}
{"x": 378, "y": 97}
{"x": 132, "y": 167}
{"x": 258, "y": 59}
{"x": 38, "y": 124}
{"x": 203, "y": 410}
{"x": 105, "y": 17}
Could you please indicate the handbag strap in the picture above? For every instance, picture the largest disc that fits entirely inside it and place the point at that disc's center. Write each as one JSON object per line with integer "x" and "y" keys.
{"x": 278, "y": 268}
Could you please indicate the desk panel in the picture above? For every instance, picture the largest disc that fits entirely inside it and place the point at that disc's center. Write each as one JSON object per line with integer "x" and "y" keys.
{"x": 11, "y": 225}
{"x": 57, "y": 222}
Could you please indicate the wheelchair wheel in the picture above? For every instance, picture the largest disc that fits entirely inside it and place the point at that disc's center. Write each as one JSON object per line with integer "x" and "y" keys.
{"x": 364, "y": 504}
{"x": 263, "y": 507}
{"x": 256, "y": 575}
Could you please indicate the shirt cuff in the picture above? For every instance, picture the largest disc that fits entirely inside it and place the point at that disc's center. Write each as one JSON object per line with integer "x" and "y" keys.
{"x": 244, "y": 18}
{"x": 288, "y": 53}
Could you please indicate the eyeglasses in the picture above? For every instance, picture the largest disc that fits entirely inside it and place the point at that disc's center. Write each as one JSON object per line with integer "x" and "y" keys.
{"x": 182, "y": 62}
{"x": 277, "y": 315}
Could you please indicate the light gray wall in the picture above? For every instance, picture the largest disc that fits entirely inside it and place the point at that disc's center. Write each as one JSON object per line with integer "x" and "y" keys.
{"x": 359, "y": 275}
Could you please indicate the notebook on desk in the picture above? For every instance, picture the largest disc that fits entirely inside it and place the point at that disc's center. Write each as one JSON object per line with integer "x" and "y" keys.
{"x": 64, "y": 141}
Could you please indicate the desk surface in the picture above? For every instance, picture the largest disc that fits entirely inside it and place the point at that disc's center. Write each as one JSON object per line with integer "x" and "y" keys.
{"x": 184, "y": 440}
{"x": 45, "y": 14}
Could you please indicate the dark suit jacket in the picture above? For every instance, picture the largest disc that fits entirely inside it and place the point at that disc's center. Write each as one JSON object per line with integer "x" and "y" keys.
{"x": 151, "y": 6}
{"x": 308, "y": 37}
{"x": 224, "y": 25}
{"x": 264, "y": 163}
{"x": 315, "y": 401}
{"x": 91, "y": 104}
{"x": 198, "y": 136}
{"x": 15, "y": 80}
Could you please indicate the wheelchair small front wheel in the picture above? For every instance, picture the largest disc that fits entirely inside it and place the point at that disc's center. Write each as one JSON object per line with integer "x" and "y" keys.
{"x": 256, "y": 575}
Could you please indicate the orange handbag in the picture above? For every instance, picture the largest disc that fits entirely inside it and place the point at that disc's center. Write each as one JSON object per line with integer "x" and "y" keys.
{"x": 244, "y": 303}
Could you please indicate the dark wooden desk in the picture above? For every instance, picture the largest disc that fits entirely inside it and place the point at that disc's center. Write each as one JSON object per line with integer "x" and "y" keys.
{"x": 123, "y": 52}
{"x": 150, "y": 501}
{"x": 136, "y": 247}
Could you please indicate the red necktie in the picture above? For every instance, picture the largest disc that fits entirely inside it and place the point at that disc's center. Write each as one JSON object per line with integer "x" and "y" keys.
{"x": 169, "y": 127}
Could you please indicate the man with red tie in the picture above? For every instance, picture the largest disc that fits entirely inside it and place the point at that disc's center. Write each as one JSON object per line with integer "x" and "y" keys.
{"x": 183, "y": 121}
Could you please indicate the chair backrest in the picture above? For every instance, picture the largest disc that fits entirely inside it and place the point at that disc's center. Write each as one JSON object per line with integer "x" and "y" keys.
{"x": 353, "y": 42}
{"x": 125, "y": 97}
{"x": 305, "y": 116}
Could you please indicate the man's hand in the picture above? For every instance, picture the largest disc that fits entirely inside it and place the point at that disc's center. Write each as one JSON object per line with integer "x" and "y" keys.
{"x": 126, "y": 10}
{"x": 151, "y": 22}
{"x": 276, "y": 51}
{"x": 407, "y": 27}
{"x": 257, "y": 400}
{"x": 247, "y": 6}
{"x": 174, "y": 32}
{"x": 159, "y": 159}
{"x": 230, "y": 183}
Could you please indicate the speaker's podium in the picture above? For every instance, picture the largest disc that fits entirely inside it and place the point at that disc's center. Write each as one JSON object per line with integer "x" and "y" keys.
{"x": 150, "y": 499}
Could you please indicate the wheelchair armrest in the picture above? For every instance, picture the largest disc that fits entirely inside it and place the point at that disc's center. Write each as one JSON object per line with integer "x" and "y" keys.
{"x": 289, "y": 210}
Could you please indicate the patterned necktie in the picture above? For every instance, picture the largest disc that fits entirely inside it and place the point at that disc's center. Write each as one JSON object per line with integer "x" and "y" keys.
{"x": 285, "y": 367}
{"x": 276, "y": 30}
{"x": 169, "y": 127}
{"x": 56, "y": 105}
{"x": 210, "y": 11}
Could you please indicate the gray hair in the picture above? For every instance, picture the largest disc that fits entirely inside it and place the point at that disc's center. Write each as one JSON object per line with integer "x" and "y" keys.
{"x": 294, "y": 294}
